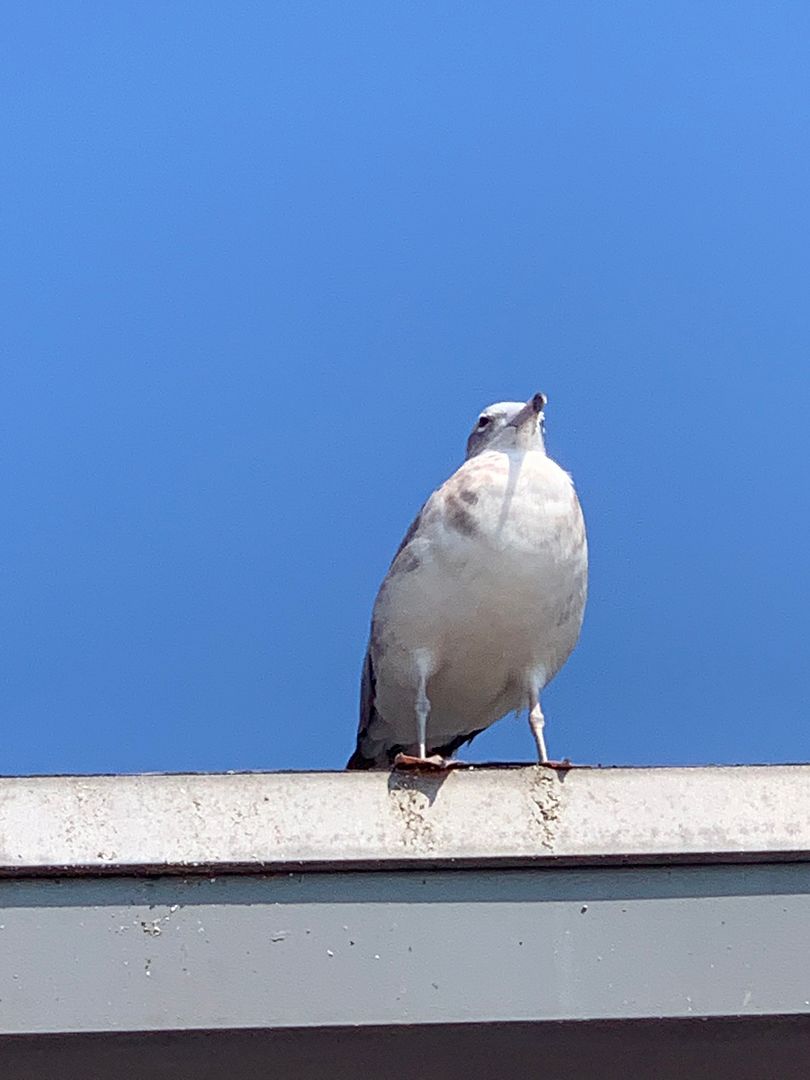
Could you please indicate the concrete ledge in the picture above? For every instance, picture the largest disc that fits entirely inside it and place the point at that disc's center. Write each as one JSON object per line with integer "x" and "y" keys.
{"x": 182, "y": 823}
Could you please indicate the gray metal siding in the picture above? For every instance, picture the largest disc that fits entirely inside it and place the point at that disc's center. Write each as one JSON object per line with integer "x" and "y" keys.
{"x": 437, "y": 947}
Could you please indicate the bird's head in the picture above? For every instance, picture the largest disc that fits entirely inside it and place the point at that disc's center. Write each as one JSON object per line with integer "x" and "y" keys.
{"x": 509, "y": 425}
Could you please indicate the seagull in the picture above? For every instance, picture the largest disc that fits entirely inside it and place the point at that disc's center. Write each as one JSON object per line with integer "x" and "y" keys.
{"x": 482, "y": 604}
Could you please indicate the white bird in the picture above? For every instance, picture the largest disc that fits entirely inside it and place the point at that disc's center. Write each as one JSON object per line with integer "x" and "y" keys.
{"x": 482, "y": 603}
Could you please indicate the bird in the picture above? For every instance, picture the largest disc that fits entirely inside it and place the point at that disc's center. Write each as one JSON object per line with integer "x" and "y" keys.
{"x": 482, "y": 604}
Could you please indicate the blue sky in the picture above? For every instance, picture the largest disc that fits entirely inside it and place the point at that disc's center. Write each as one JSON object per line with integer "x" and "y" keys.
{"x": 262, "y": 264}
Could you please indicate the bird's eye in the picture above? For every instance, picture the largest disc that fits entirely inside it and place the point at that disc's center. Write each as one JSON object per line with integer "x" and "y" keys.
{"x": 484, "y": 422}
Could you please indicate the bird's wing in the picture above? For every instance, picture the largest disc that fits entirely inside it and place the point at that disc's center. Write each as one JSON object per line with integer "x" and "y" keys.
{"x": 413, "y": 528}
{"x": 368, "y": 708}
{"x": 368, "y": 714}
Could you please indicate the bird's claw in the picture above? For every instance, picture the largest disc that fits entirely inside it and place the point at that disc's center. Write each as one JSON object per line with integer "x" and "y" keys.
{"x": 431, "y": 763}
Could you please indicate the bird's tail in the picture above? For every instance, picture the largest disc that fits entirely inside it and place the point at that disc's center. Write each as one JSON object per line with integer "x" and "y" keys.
{"x": 358, "y": 760}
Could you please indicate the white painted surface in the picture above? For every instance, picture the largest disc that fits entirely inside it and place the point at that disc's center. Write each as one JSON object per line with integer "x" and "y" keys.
{"x": 221, "y": 820}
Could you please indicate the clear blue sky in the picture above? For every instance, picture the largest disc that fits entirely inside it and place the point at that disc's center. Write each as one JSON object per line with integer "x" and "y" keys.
{"x": 262, "y": 263}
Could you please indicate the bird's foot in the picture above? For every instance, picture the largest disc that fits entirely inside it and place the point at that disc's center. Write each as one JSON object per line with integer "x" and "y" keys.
{"x": 432, "y": 763}
{"x": 563, "y": 765}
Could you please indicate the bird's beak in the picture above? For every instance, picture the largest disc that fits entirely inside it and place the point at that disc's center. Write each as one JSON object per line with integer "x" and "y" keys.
{"x": 530, "y": 411}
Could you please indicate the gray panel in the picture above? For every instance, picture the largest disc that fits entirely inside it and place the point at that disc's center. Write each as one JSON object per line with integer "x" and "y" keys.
{"x": 122, "y": 954}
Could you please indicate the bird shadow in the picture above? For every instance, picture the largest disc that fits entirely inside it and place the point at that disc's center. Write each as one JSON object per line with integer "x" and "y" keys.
{"x": 426, "y": 783}
{"x": 429, "y": 783}
{"x": 511, "y": 485}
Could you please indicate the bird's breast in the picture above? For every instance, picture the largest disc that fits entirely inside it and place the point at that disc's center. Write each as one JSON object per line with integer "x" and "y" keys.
{"x": 499, "y": 558}
{"x": 508, "y": 511}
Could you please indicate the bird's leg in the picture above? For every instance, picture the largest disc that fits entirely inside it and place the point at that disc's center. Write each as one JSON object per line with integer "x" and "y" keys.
{"x": 422, "y": 708}
{"x": 422, "y": 713}
{"x": 536, "y": 723}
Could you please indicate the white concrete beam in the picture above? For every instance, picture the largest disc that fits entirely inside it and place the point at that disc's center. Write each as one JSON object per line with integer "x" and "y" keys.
{"x": 182, "y": 822}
